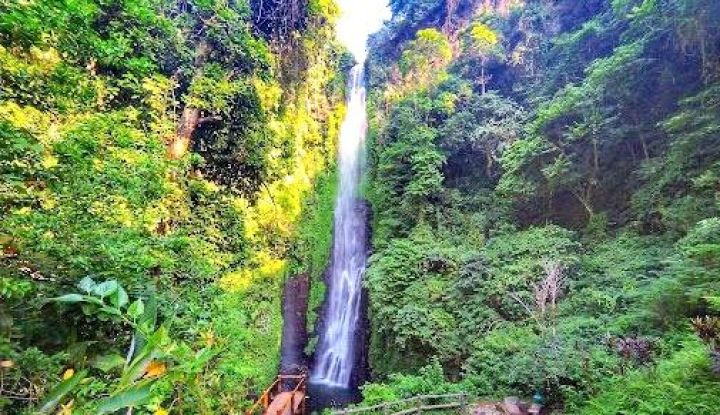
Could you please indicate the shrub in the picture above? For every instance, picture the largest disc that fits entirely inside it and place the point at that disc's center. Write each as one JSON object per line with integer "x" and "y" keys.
{"x": 681, "y": 384}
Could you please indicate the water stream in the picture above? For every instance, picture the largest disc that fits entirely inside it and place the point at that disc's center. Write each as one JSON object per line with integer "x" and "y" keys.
{"x": 336, "y": 352}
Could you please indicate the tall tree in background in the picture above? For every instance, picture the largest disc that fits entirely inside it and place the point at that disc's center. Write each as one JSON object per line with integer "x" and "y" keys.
{"x": 483, "y": 44}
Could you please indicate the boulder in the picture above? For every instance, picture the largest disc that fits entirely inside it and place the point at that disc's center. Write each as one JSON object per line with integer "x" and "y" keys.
{"x": 486, "y": 409}
{"x": 534, "y": 409}
{"x": 514, "y": 406}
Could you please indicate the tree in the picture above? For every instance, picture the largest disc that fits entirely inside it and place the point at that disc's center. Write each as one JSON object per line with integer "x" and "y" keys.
{"x": 483, "y": 43}
{"x": 425, "y": 56}
{"x": 486, "y": 124}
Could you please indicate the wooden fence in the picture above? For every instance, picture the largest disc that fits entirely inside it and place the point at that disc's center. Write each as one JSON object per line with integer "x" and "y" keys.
{"x": 297, "y": 383}
{"x": 415, "y": 405}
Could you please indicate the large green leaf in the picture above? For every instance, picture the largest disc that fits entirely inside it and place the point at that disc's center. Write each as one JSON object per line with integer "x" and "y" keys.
{"x": 120, "y": 297}
{"x": 76, "y": 298}
{"x": 69, "y": 298}
{"x": 87, "y": 284}
{"x": 136, "y": 309}
{"x": 108, "y": 362}
{"x": 58, "y": 393}
{"x": 133, "y": 397}
{"x": 106, "y": 288}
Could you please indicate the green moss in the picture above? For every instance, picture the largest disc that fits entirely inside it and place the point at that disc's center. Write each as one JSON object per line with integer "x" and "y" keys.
{"x": 248, "y": 327}
{"x": 314, "y": 242}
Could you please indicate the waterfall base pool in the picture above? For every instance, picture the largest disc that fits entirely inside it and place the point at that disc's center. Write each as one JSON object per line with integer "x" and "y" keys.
{"x": 322, "y": 396}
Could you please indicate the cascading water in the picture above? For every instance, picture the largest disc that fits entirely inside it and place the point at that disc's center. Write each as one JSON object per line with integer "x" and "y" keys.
{"x": 336, "y": 350}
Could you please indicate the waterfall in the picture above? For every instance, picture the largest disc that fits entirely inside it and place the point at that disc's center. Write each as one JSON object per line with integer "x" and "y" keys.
{"x": 335, "y": 353}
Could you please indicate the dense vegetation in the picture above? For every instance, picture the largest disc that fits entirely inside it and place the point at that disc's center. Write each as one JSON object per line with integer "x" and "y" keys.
{"x": 545, "y": 177}
{"x": 156, "y": 157}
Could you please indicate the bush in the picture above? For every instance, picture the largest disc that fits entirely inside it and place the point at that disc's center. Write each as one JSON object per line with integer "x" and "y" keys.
{"x": 428, "y": 380}
{"x": 681, "y": 384}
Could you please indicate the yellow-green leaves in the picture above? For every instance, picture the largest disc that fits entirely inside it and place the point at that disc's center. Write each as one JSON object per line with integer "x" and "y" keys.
{"x": 483, "y": 37}
{"x": 430, "y": 51}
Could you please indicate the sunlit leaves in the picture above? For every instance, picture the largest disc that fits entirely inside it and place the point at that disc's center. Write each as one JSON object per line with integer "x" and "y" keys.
{"x": 155, "y": 369}
{"x": 136, "y": 309}
{"x": 429, "y": 52}
{"x": 483, "y": 38}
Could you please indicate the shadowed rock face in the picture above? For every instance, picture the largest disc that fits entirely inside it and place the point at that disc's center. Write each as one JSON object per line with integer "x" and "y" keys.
{"x": 294, "y": 338}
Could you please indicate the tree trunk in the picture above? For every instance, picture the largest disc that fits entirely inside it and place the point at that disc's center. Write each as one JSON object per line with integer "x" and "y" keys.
{"x": 178, "y": 146}
{"x": 450, "y": 9}
{"x": 483, "y": 80}
{"x": 646, "y": 152}
{"x": 586, "y": 201}
{"x": 189, "y": 120}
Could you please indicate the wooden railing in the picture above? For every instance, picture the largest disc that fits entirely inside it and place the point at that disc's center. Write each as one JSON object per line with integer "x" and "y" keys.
{"x": 275, "y": 389}
{"x": 414, "y": 405}
{"x": 300, "y": 387}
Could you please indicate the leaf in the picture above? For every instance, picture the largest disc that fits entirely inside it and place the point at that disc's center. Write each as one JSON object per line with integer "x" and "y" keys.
{"x": 198, "y": 361}
{"x": 69, "y": 298}
{"x": 136, "y": 309}
{"x": 120, "y": 299}
{"x": 142, "y": 358}
{"x": 111, "y": 310}
{"x": 108, "y": 362}
{"x": 87, "y": 284}
{"x": 88, "y": 309}
{"x": 132, "y": 397}
{"x": 106, "y": 288}
{"x": 58, "y": 392}
{"x": 155, "y": 369}
{"x": 136, "y": 369}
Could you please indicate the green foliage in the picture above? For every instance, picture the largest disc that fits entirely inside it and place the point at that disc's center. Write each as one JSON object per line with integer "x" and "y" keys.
{"x": 428, "y": 380}
{"x": 249, "y": 338}
{"x": 313, "y": 244}
{"x": 680, "y": 384}
{"x": 514, "y": 262}
{"x": 569, "y": 231}
{"x": 411, "y": 315}
{"x": 680, "y": 187}
{"x": 430, "y": 51}
{"x": 516, "y": 360}
{"x": 485, "y": 126}
{"x": 131, "y": 382}
{"x": 91, "y": 93}
{"x": 408, "y": 172}
{"x": 690, "y": 278}
{"x": 616, "y": 277}
{"x": 432, "y": 297}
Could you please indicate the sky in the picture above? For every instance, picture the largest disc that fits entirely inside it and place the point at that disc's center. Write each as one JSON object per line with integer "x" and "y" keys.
{"x": 359, "y": 19}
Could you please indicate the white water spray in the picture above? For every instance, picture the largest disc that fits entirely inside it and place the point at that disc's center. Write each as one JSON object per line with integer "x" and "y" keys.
{"x": 335, "y": 354}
